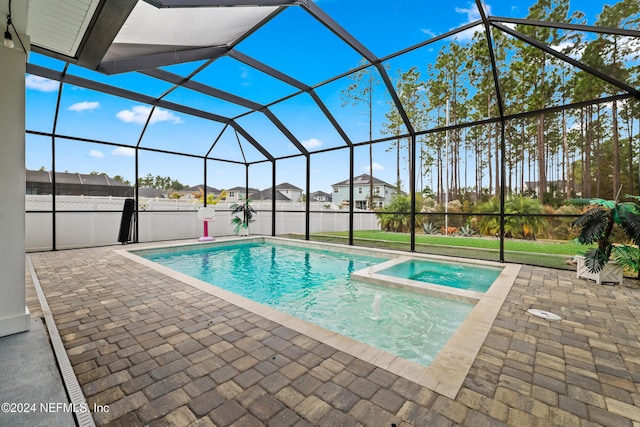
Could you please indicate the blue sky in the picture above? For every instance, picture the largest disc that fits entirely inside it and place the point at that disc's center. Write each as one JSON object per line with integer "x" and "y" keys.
{"x": 293, "y": 43}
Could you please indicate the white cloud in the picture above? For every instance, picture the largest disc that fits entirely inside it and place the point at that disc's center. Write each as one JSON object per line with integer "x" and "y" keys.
{"x": 632, "y": 46}
{"x": 311, "y": 143}
{"x": 576, "y": 126}
{"x": 124, "y": 152}
{"x": 82, "y": 106}
{"x": 140, "y": 113}
{"x": 473, "y": 14}
{"x": 377, "y": 167}
{"x": 566, "y": 48}
{"x": 96, "y": 154}
{"x": 467, "y": 35}
{"x": 428, "y": 32}
{"x": 245, "y": 77}
{"x": 41, "y": 84}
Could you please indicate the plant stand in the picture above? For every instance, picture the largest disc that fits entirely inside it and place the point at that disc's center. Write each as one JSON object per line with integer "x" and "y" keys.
{"x": 611, "y": 273}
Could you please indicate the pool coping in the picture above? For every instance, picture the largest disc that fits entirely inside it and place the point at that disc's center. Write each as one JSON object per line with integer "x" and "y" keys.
{"x": 371, "y": 275}
{"x": 447, "y": 372}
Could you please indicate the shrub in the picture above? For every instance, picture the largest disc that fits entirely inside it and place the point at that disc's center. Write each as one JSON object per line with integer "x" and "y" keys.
{"x": 396, "y": 217}
{"x": 466, "y": 231}
{"x": 430, "y": 229}
{"x": 517, "y": 224}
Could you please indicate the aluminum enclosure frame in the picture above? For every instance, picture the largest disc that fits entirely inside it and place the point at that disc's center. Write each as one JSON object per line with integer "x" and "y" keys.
{"x": 116, "y": 11}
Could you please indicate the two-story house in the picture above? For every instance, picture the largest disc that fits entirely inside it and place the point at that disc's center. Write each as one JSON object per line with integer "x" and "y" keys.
{"x": 291, "y": 191}
{"x": 383, "y": 192}
{"x": 320, "y": 196}
{"x": 234, "y": 194}
{"x": 267, "y": 194}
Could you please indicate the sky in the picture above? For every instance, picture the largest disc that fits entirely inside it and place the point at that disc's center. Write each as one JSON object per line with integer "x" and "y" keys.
{"x": 293, "y": 43}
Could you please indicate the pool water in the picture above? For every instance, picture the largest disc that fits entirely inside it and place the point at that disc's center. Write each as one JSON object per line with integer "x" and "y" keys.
{"x": 315, "y": 285}
{"x": 469, "y": 277}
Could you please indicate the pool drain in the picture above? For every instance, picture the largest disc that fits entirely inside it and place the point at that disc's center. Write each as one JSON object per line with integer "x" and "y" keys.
{"x": 543, "y": 314}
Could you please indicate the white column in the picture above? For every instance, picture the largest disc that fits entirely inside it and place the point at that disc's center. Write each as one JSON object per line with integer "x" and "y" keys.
{"x": 14, "y": 316}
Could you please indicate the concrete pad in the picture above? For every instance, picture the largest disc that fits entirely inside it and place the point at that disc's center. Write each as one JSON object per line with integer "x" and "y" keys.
{"x": 31, "y": 390}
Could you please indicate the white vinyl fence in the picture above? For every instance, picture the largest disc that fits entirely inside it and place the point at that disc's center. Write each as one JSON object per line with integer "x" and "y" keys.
{"x": 78, "y": 225}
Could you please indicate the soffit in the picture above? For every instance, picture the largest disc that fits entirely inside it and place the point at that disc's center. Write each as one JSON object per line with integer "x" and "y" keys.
{"x": 59, "y": 25}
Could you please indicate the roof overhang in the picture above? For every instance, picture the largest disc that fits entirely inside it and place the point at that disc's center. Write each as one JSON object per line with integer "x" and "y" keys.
{"x": 115, "y": 36}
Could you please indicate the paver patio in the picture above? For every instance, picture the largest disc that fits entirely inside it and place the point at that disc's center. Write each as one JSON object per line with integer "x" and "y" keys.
{"x": 160, "y": 352}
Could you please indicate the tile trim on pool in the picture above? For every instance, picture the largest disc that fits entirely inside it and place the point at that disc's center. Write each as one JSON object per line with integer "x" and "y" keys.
{"x": 371, "y": 275}
{"x": 444, "y": 375}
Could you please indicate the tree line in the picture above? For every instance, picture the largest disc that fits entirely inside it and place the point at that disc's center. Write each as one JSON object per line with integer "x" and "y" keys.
{"x": 590, "y": 150}
{"x": 161, "y": 183}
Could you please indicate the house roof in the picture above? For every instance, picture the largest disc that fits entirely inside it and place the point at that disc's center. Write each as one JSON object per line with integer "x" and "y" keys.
{"x": 196, "y": 188}
{"x": 361, "y": 180}
{"x": 267, "y": 194}
{"x": 149, "y": 192}
{"x": 287, "y": 186}
{"x": 73, "y": 178}
{"x": 39, "y": 176}
{"x": 320, "y": 193}
{"x": 239, "y": 188}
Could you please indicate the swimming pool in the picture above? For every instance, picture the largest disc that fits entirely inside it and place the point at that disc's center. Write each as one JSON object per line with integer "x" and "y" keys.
{"x": 316, "y": 286}
{"x": 456, "y": 275}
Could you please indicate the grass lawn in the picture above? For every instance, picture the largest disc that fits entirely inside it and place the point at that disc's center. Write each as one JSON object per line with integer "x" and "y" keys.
{"x": 564, "y": 248}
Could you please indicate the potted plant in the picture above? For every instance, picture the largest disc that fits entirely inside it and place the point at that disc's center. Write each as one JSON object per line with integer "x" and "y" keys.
{"x": 243, "y": 206}
{"x": 597, "y": 226}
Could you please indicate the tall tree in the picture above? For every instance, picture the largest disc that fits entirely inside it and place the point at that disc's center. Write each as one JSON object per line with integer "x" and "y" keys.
{"x": 630, "y": 113}
{"x": 483, "y": 102}
{"x": 359, "y": 94}
{"x": 410, "y": 89}
{"x": 613, "y": 52}
{"x": 436, "y": 97}
{"x": 452, "y": 63}
{"x": 540, "y": 74}
{"x": 585, "y": 87}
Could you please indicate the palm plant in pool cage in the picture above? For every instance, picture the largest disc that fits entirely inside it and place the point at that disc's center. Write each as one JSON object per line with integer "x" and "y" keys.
{"x": 244, "y": 207}
{"x": 597, "y": 226}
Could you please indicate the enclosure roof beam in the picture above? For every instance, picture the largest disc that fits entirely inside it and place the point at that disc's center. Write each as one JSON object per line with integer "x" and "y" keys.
{"x": 330, "y": 117}
{"x": 567, "y": 59}
{"x": 260, "y": 66}
{"x": 200, "y": 87}
{"x": 141, "y": 62}
{"x": 215, "y": 141}
{"x": 355, "y": 44}
{"x": 492, "y": 57}
{"x": 251, "y": 62}
{"x": 162, "y": 4}
{"x": 432, "y": 40}
{"x": 123, "y": 93}
{"x": 285, "y": 131}
{"x": 225, "y": 96}
{"x": 251, "y": 140}
{"x": 338, "y": 30}
{"x": 566, "y": 26}
{"x": 146, "y": 124}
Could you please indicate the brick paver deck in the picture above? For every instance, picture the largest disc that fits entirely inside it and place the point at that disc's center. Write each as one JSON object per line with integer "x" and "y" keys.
{"x": 160, "y": 352}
